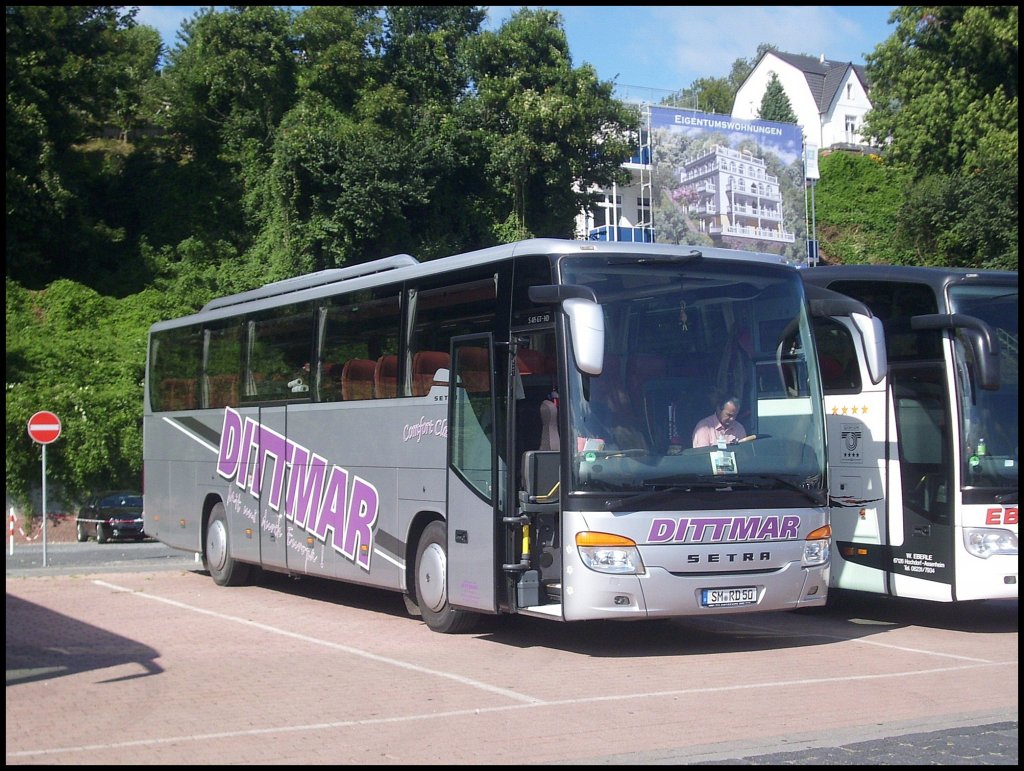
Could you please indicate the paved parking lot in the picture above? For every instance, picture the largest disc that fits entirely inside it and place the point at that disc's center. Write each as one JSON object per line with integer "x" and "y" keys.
{"x": 182, "y": 671}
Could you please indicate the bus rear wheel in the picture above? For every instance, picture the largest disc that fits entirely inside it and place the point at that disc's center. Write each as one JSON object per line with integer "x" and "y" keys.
{"x": 432, "y": 584}
{"x": 222, "y": 567}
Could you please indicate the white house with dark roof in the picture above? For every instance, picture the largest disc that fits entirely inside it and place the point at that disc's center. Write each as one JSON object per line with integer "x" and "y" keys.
{"x": 829, "y": 98}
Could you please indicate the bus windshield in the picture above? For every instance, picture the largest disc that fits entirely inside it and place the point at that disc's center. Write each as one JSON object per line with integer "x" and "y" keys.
{"x": 688, "y": 340}
{"x": 989, "y": 419}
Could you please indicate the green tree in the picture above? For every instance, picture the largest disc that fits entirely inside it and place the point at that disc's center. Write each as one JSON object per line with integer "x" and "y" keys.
{"x": 549, "y": 131}
{"x": 65, "y": 68}
{"x": 714, "y": 95}
{"x": 135, "y": 58}
{"x": 775, "y": 105}
{"x": 81, "y": 356}
{"x": 362, "y": 158}
{"x": 227, "y": 84}
{"x": 944, "y": 87}
{"x": 945, "y": 106}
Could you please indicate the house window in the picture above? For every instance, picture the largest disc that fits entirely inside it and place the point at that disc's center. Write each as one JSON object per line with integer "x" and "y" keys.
{"x": 851, "y": 126}
{"x": 849, "y": 91}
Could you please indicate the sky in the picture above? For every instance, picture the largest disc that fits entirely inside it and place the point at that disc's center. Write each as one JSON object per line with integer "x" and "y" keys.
{"x": 660, "y": 49}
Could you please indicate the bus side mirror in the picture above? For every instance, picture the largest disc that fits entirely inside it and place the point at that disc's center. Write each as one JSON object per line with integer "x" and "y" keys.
{"x": 586, "y": 325}
{"x": 980, "y": 336}
{"x": 873, "y": 337}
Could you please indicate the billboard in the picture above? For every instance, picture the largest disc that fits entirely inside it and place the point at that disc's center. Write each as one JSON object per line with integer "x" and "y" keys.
{"x": 729, "y": 182}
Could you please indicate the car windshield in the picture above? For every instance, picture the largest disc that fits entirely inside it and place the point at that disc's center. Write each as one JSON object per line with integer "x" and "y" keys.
{"x": 122, "y": 501}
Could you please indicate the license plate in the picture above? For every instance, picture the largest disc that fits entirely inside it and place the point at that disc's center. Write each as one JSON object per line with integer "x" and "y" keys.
{"x": 737, "y": 595}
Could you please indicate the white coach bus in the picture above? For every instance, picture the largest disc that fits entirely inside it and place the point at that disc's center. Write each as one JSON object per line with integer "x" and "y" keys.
{"x": 502, "y": 431}
{"x": 924, "y": 462}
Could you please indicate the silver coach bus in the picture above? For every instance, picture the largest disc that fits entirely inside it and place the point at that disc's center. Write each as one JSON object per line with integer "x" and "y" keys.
{"x": 504, "y": 431}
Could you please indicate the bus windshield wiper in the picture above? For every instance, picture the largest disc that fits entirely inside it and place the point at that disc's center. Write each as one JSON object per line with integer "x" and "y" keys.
{"x": 770, "y": 481}
{"x": 659, "y": 489}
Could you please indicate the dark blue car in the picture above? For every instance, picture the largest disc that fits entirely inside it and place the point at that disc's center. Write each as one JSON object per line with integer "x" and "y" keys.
{"x": 111, "y": 515}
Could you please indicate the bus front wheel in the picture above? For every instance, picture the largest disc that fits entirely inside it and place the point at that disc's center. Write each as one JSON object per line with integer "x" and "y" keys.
{"x": 222, "y": 567}
{"x": 432, "y": 583}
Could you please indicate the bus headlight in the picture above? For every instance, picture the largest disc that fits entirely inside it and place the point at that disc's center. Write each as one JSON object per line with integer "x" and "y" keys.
{"x": 816, "y": 547}
{"x": 986, "y": 542}
{"x": 607, "y": 553}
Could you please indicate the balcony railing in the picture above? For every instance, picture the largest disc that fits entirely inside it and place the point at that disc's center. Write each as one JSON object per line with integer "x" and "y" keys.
{"x": 644, "y": 235}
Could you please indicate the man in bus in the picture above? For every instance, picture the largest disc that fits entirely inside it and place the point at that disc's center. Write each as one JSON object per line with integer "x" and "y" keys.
{"x": 721, "y": 425}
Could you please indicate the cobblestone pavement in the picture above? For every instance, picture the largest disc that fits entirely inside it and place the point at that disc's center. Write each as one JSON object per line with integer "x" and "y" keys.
{"x": 982, "y": 745}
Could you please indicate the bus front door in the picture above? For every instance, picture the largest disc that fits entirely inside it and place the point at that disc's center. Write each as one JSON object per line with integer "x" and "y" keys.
{"x": 921, "y": 527}
{"x": 473, "y": 490}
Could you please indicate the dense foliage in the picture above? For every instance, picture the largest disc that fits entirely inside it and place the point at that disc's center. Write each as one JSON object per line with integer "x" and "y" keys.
{"x": 268, "y": 142}
{"x": 945, "y": 106}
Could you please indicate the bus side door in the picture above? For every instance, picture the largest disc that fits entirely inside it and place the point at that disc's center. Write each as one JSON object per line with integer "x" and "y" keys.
{"x": 921, "y": 525}
{"x": 473, "y": 489}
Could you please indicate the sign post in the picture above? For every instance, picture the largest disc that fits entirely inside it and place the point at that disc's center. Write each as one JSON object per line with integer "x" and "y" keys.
{"x": 44, "y": 428}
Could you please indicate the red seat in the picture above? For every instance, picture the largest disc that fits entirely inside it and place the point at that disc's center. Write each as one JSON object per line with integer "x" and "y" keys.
{"x": 385, "y": 377}
{"x": 474, "y": 369}
{"x": 425, "y": 365}
{"x": 357, "y": 379}
{"x": 531, "y": 362}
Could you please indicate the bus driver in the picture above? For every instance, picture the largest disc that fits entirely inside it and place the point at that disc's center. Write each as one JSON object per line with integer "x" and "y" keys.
{"x": 721, "y": 425}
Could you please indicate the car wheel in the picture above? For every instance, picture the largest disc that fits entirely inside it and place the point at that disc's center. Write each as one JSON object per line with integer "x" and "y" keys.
{"x": 432, "y": 583}
{"x": 83, "y": 536}
{"x": 224, "y": 569}
{"x": 102, "y": 536}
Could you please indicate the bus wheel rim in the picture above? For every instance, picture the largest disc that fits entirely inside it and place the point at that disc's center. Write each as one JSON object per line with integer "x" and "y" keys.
{"x": 431, "y": 579}
{"x": 216, "y": 545}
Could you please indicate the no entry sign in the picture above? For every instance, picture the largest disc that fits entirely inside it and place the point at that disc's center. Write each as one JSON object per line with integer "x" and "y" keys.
{"x": 44, "y": 427}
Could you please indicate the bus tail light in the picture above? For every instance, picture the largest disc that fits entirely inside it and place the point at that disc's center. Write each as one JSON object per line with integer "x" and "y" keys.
{"x": 607, "y": 553}
{"x": 816, "y": 547}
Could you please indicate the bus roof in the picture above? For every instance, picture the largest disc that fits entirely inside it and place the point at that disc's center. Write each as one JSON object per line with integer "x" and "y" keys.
{"x": 403, "y": 266}
{"x": 936, "y": 278}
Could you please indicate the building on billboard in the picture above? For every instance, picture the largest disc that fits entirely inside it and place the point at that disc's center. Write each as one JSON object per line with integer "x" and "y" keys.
{"x": 735, "y": 195}
{"x": 704, "y": 179}
{"x": 743, "y": 183}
